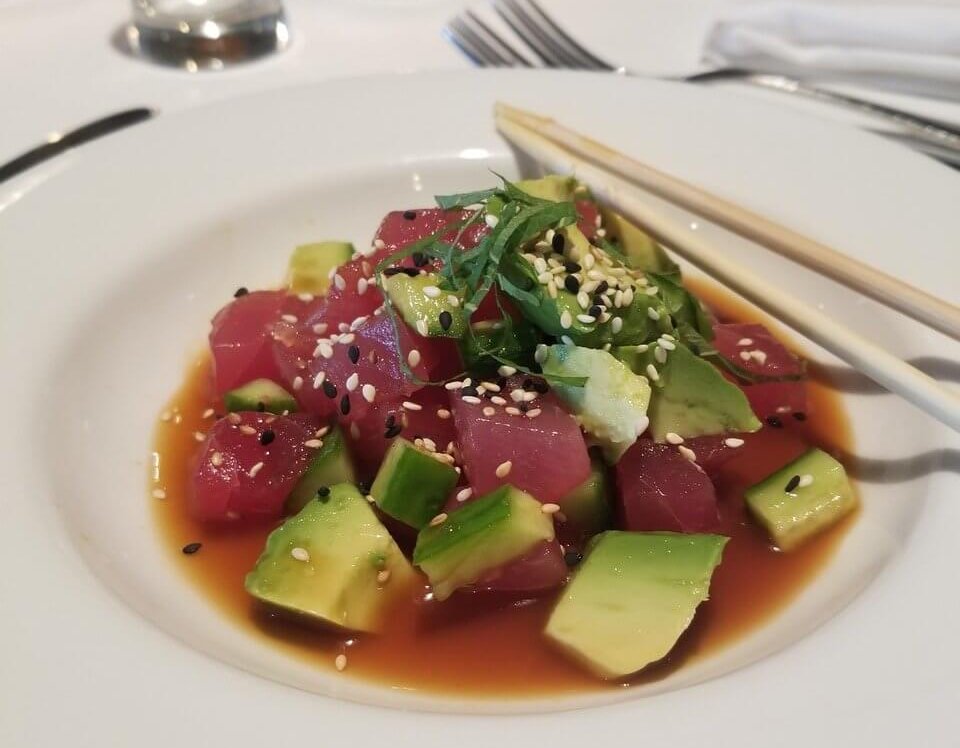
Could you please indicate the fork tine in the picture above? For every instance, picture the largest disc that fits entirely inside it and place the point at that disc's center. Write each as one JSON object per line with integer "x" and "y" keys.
{"x": 559, "y": 31}
{"x": 506, "y": 50}
{"x": 530, "y": 39}
{"x": 454, "y": 36}
{"x": 471, "y": 44}
{"x": 547, "y": 46}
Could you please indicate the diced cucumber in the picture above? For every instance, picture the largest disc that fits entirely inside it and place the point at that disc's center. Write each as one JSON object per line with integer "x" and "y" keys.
{"x": 310, "y": 265}
{"x": 411, "y": 485}
{"x": 801, "y": 499}
{"x": 480, "y": 536}
{"x": 260, "y": 394}
{"x": 333, "y": 562}
{"x": 329, "y": 466}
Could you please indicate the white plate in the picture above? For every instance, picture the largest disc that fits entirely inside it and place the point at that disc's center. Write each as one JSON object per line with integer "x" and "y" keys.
{"x": 116, "y": 255}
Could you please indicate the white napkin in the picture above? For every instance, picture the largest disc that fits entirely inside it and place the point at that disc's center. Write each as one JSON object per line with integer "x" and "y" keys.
{"x": 911, "y": 47}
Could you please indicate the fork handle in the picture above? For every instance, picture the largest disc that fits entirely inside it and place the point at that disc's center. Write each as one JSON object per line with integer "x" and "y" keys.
{"x": 942, "y": 134}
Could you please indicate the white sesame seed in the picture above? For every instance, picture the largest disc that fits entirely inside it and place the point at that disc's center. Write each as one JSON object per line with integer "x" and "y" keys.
{"x": 674, "y": 438}
{"x": 248, "y": 430}
{"x": 616, "y": 325}
{"x": 667, "y": 344}
{"x": 745, "y": 341}
{"x": 429, "y": 444}
{"x": 733, "y": 442}
{"x": 539, "y": 264}
{"x": 651, "y": 291}
{"x": 506, "y": 371}
{"x": 529, "y": 397}
{"x": 432, "y": 292}
{"x": 503, "y": 469}
{"x": 320, "y": 328}
{"x": 255, "y": 469}
{"x": 443, "y": 457}
{"x": 488, "y": 411}
{"x": 353, "y": 381}
{"x": 216, "y": 459}
{"x": 534, "y": 412}
{"x": 443, "y": 413}
{"x": 548, "y": 236}
{"x": 517, "y": 395}
{"x": 687, "y": 452}
{"x": 652, "y": 374}
{"x": 653, "y": 313}
{"x": 668, "y": 336}
{"x": 628, "y": 296}
{"x": 745, "y": 355}
{"x": 598, "y": 220}
{"x": 642, "y": 423}
{"x": 453, "y": 301}
{"x": 490, "y": 386}
{"x": 453, "y": 385}
{"x": 300, "y": 554}
{"x": 318, "y": 380}
{"x": 759, "y": 356}
{"x": 324, "y": 349}
{"x": 589, "y": 261}
{"x": 660, "y": 355}
{"x": 541, "y": 353}
{"x": 362, "y": 284}
{"x": 552, "y": 291}
{"x": 379, "y": 244}
{"x": 618, "y": 299}
{"x": 158, "y": 493}
{"x": 491, "y": 220}
{"x": 358, "y": 321}
{"x": 513, "y": 411}
{"x": 464, "y": 494}
{"x": 313, "y": 443}
{"x": 409, "y": 405}
{"x": 497, "y": 400}
{"x": 306, "y": 298}
{"x": 550, "y": 508}
{"x": 422, "y": 327}
{"x": 439, "y": 519}
{"x": 544, "y": 278}
{"x": 784, "y": 409}
{"x": 208, "y": 413}
{"x": 607, "y": 347}
{"x": 297, "y": 383}
{"x": 341, "y": 660}
{"x": 566, "y": 319}
{"x": 383, "y": 576}
{"x": 369, "y": 392}
{"x": 583, "y": 299}
{"x": 346, "y": 339}
{"x": 805, "y": 480}
{"x": 234, "y": 418}
{"x": 566, "y": 340}
{"x": 471, "y": 399}
{"x": 339, "y": 282}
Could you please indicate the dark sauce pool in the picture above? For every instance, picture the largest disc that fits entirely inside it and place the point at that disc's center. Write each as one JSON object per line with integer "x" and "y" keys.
{"x": 475, "y": 645}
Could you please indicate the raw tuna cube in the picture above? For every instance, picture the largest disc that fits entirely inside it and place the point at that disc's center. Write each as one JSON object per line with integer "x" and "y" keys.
{"x": 241, "y": 339}
{"x": 659, "y": 489}
{"x": 400, "y": 228}
{"x": 243, "y": 474}
{"x": 753, "y": 348}
{"x": 543, "y": 568}
{"x": 776, "y": 398}
{"x": 587, "y": 212}
{"x": 547, "y": 453}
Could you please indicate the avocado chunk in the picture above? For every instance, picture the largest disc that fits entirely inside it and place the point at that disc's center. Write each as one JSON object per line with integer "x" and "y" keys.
{"x": 612, "y": 404}
{"x": 260, "y": 394}
{"x": 411, "y": 485}
{"x": 334, "y": 562}
{"x": 801, "y": 499}
{"x": 690, "y": 397}
{"x": 425, "y": 305}
{"x": 489, "y": 340}
{"x": 641, "y": 250}
{"x": 310, "y": 264}
{"x": 587, "y": 507}
{"x": 329, "y": 466}
{"x": 632, "y": 597}
{"x": 480, "y": 536}
{"x": 554, "y": 187}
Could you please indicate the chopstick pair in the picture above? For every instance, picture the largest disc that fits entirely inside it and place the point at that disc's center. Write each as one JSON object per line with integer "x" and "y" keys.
{"x": 616, "y": 179}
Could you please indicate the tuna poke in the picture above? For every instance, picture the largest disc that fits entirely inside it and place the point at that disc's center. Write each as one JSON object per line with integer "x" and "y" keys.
{"x": 508, "y": 435}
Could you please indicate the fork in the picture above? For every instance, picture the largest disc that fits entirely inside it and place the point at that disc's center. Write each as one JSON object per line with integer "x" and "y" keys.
{"x": 549, "y": 45}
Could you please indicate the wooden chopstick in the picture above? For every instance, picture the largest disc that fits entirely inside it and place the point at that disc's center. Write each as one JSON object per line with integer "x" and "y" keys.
{"x": 892, "y": 292}
{"x": 625, "y": 197}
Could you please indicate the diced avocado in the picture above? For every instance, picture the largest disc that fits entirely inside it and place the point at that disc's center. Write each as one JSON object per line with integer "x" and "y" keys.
{"x": 641, "y": 250}
{"x": 260, "y": 394}
{"x": 587, "y": 507}
{"x": 632, "y": 597}
{"x": 425, "y": 305}
{"x": 802, "y": 498}
{"x": 411, "y": 485}
{"x": 333, "y": 562}
{"x": 329, "y": 465}
{"x": 554, "y": 187}
{"x": 310, "y": 264}
{"x": 690, "y": 397}
{"x": 480, "y": 536}
{"x": 514, "y": 343}
{"x": 611, "y": 406}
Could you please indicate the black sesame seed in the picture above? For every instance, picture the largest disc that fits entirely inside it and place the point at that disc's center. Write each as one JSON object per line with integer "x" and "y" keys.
{"x": 392, "y": 431}
{"x": 524, "y": 407}
{"x": 420, "y": 259}
{"x": 527, "y": 383}
{"x": 412, "y": 272}
{"x": 329, "y": 389}
{"x": 261, "y": 407}
{"x": 267, "y": 436}
{"x": 571, "y": 558}
{"x": 391, "y": 421}
{"x": 571, "y": 284}
{"x": 354, "y": 353}
{"x": 501, "y": 382}
{"x": 595, "y": 311}
{"x": 792, "y": 484}
{"x": 800, "y": 416}
{"x": 446, "y": 319}
{"x": 775, "y": 422}
{"x": 602, "y": 287}
{"x": 363, "y": 487}
{"x": 345, "y": 404}
{"x": 572, "y": 267}
{"x": 242, "y": 291}
{"x": 409, "y": 214}
{"x": 323, "y": 491}
{"x": 541, "y": 386}
{"x": 470, "y": 390}
{"x": 191, "y": 548}
{"x": 557, "y": 242}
